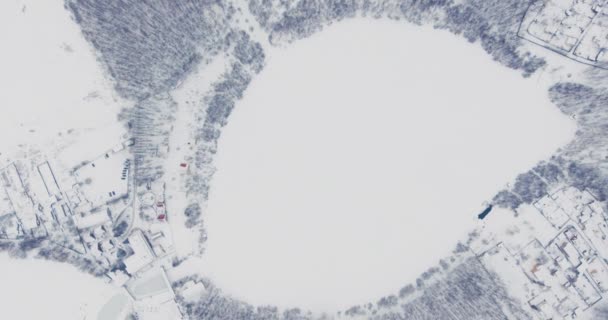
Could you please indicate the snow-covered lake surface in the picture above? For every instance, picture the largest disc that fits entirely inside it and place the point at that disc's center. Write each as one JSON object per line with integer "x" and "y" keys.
{"x": 341, "y": 172}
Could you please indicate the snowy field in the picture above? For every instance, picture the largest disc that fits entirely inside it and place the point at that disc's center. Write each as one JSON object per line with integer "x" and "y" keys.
{"x": 53, "y": 85}
{"x": 37, "y": 289}
{"x": 360, "y": 156}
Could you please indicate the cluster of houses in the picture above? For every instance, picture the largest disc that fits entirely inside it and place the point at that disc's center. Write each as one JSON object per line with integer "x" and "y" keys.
{"x": 576, "y": 274}
{"x": 577, "y": 29}
{"x": 92, "y": 209}
{"x": 561, "y": 271}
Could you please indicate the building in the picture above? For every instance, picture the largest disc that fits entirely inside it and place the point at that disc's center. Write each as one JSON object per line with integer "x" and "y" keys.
{"x": 20, "y": 200}
{"x": 142, "y": 252}
{"x": 49, "y": 180}
{"x": 91, "y": 220}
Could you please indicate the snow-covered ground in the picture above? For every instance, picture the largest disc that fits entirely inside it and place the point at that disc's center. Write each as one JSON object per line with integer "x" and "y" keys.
{"x": 53, "y": 84}
{"x": 342, "y": 173}
{"x": 37, "y": 289}
{"x": 188, "y": 95}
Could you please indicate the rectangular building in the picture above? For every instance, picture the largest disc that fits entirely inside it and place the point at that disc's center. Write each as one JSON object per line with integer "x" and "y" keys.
{"x": 142, "y": 252}
{"x": 48, "y": 178}
{"x": 18, "y": 196}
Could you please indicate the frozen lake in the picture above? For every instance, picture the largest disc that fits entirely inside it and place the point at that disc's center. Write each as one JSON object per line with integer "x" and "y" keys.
{"x": 360, "y": 156}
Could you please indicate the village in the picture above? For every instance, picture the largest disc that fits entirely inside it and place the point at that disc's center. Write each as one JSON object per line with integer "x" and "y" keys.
{"x": 96, "y": 211}
{"x": 554, "y": 256}
{"x": 573, "y": 28}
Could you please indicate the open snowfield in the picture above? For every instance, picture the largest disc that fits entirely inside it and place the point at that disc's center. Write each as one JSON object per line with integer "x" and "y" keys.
{"x": 341, "y": 173}
{"x": 52, "y": 82}
{"x": 38, "y": 289}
